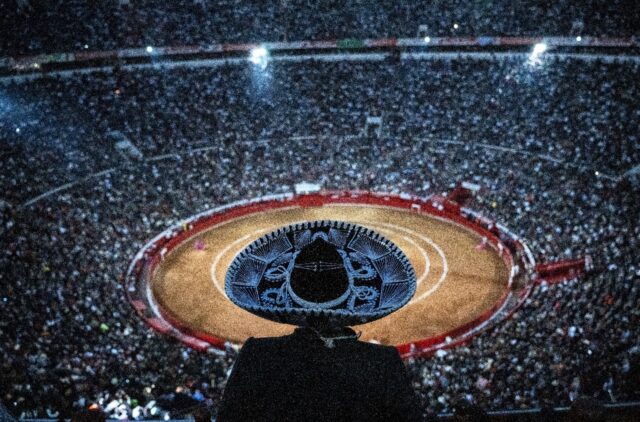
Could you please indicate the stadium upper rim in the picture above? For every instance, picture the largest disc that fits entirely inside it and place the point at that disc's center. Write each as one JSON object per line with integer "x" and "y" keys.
{"x": 151, "y": 56}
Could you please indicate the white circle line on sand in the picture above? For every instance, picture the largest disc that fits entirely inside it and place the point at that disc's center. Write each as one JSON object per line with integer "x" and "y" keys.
{"x": 434, "y": 245}
{"x": 425, "y": 256}
{"x": 423, "y": 252}
{"x": 216, "y": 261}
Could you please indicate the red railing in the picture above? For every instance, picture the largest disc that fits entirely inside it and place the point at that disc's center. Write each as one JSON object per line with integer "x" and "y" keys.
{"x": 144, "y": 265}
{"x": 555, "y": 272}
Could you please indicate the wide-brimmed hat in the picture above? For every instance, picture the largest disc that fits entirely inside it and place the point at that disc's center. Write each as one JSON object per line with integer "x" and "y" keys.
{"x": 335, "y": 272}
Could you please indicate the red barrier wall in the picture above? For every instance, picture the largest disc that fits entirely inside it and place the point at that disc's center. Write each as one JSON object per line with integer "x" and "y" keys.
{"x": 143, "y": 267}
{"x": 555, "y": 272}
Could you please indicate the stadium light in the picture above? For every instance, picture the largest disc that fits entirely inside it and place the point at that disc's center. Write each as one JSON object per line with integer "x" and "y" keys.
{"x": 534, "y": 57}
{"x": 259, "y": 56}
{"x": 149, "y": 49}
{"x": 539, "y": 49}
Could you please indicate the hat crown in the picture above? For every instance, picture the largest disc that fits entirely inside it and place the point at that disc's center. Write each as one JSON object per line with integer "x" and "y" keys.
{"x": 319, "y": 274}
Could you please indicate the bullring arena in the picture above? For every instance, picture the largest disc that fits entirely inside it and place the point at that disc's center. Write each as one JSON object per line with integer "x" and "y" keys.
{"x": 144, "y": 143}
{"x": 465, "y": 272}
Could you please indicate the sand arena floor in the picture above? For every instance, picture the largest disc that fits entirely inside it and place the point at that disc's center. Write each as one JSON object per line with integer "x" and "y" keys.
{"x": 456, "y": 282}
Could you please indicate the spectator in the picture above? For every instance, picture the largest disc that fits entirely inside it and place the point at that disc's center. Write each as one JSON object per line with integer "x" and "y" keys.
{"x": 202, "y": 414}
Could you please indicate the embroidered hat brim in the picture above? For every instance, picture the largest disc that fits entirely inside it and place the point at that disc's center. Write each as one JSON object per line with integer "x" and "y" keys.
{"x": 368, "y": 276}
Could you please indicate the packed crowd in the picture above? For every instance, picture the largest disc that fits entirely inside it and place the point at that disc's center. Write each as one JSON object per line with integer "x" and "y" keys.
{"x": 582, "y": 112}
{"x": 28, "y": 26}
{"x": 534, "y": 137}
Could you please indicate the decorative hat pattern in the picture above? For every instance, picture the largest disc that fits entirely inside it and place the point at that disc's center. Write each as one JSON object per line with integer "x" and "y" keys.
{"x": 338, "y": 272}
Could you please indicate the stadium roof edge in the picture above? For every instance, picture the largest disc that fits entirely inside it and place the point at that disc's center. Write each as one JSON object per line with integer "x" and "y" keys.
{"x": 82, "y": 59}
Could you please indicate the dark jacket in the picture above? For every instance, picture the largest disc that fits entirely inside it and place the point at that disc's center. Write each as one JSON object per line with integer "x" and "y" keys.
{"x": 299, "y": 378}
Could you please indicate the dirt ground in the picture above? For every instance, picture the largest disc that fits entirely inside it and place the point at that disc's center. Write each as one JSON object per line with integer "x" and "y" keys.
{"x": 456, "y": 283}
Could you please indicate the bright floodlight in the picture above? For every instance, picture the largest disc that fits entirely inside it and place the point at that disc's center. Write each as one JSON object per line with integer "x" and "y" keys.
{"x": 535, "y": 56}
{"x": 539, "y": 48}
{"x": 258, "y": 55}
{"x": 578, "y": 38}
{"x": 149, "y": 49}
{"x": 427, "y": 39}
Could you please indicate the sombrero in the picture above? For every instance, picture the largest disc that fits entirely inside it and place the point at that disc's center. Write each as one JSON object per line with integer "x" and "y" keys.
{"x": 339, "y": 273}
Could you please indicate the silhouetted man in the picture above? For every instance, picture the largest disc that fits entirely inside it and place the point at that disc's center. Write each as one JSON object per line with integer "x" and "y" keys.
{"x": 322, "y": 276}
